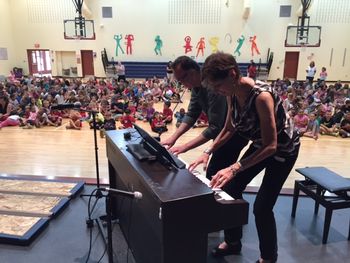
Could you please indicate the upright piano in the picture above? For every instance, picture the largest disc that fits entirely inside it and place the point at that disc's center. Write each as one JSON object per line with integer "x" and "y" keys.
{"x": 170, "y": 224}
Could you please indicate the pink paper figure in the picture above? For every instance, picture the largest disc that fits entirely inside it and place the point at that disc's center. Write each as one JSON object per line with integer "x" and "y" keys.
{"x": 129, "y": 38}
{"x": 187, "y": 46}
{"x": 254, "y": 46}
{"x": 200, "y": 46}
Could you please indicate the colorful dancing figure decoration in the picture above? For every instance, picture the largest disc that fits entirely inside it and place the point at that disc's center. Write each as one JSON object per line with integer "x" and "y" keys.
{"x": 254, "y": 46}
{"x": 240, "y": 42}
{"x": 213, "y": 41}
{"x": 159, "y": 45}
{"x": 129, "y": 38}
{"x": 187, "y": 46}
{"x": 200, "y": 46}
{"x": 118, "y": 38}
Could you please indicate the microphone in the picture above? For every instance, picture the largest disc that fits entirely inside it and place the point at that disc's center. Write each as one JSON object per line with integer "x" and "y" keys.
{"x": 65, "y": 106}
{"x": 112, "y": 191}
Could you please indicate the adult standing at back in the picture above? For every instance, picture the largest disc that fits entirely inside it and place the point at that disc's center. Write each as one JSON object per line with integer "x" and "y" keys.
{"x": 120, "y": 71}
{"x": 169, "y": 72}
{"x": 311, "y": 72}
{"x": 187, "y": 71}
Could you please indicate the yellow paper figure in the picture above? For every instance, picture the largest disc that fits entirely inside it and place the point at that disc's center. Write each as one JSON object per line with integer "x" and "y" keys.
{"x": 213, "y": 41}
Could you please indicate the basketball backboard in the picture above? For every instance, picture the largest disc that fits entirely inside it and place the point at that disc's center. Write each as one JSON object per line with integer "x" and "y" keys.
{"x": 303, "y": 36}
{"x": 79, "y": 28}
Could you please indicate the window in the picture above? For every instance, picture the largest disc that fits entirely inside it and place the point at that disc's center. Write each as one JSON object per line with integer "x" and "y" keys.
{"x": 285, "y": 10}
{"x": 107, "y": 12}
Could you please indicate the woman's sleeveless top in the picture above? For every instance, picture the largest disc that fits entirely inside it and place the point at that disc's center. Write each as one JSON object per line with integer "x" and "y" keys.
{"x": 247, "y": 124}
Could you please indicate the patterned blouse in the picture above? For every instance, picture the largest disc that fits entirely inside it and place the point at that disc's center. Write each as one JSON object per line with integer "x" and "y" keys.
{"x": 246, "y": 122}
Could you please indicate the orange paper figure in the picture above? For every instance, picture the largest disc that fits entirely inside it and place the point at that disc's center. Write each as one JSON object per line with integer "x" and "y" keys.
{"x": 129, "y": 38}
{"x": 254, "y": 46}
{"x": 187, "y": 46}
{"x": 200, "y": 46}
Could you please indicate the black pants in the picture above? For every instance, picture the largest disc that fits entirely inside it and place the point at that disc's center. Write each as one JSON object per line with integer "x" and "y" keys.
{"x": 226, "y": 155}
{"x": 311, "y": 80}
{"x": 277, "y": 171}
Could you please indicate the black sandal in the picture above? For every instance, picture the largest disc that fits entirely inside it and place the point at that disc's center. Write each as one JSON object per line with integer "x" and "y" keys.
{"x": 229, "y": 250}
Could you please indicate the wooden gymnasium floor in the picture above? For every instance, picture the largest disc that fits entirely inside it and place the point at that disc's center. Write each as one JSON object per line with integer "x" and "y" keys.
{"x": 53, "y": 152}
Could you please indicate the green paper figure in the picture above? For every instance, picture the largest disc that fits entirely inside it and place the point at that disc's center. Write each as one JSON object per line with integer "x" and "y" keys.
{"x": 240, "y": 42}
{"x": 117, "y": 39}
{"x": 213, "y": 41}
{"x": 159, "y": 45}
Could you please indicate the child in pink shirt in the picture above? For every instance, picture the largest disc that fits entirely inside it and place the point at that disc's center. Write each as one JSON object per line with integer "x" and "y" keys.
{"x": 300, "y": 121}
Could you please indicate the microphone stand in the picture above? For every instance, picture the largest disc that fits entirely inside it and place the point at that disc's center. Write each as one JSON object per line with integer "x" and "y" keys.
{"x": 98, "y": 193}
{"x": 107, "y": 237}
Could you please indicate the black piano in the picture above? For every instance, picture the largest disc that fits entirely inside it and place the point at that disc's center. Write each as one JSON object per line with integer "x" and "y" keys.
{"x": 170, "y": 224}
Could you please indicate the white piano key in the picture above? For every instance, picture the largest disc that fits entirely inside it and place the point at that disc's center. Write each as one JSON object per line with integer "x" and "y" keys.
{"x": 218, "y": 191}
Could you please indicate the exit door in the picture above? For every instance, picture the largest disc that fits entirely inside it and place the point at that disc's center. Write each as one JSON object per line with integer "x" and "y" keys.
{"x": 87, "y": 62}
{"x": 291, "y": 62}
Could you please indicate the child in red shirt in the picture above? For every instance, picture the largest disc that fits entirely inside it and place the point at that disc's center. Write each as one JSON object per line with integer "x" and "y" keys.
{"x": 127, "y": 120}
{"x": 157, "y": 123}
{"x": 167, "y": 112}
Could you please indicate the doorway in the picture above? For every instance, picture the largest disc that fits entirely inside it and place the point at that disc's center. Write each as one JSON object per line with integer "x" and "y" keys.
{"x": 87, "y": 62}
{"x": 39, "y": 61}
{"x": 291, "y": 62}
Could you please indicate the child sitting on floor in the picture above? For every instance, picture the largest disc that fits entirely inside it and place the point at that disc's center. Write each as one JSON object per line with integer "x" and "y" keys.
{"x": 108, "y": 124}
{"x": 180, "y": 115}
{"x": 202, "y": 121}
{"x": 313, "y": 127}
{"x": 157, "y": 123}
{"x": 167, "y": 112}
{"x": 127, "y": 120}
{"x": 74, "y": 121}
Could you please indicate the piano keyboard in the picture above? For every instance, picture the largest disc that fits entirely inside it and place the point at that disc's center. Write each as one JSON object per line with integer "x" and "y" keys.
{"x": 220, "y": 195}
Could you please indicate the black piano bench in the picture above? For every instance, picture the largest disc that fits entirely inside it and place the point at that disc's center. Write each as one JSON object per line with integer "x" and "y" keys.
{"x": 317, "y": 181}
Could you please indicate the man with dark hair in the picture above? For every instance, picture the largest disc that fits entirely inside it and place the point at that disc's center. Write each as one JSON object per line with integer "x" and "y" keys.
{"x": 187, "y": 71}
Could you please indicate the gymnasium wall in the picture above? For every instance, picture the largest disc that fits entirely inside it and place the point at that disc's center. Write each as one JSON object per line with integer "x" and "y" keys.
{"x": 7, "y": 49}
{"x": 34, "y": 22}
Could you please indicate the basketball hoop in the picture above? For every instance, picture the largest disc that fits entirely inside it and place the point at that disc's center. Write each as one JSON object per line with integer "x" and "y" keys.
{"x": 302, "y": 47}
